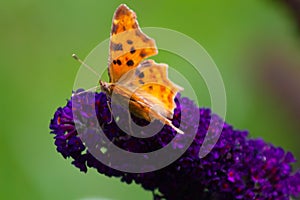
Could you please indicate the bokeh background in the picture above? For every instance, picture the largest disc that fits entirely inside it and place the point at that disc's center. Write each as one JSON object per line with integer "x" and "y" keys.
{"x": 255, "y": 44}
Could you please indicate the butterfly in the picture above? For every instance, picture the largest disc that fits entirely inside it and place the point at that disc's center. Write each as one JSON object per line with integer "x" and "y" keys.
{"x": 143, "y": 83}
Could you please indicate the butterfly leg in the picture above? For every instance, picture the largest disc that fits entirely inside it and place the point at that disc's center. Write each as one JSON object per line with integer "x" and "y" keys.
{"x": 110, "y": 110}
{"x": 129, "y": 123}
{"x": 168, "y": 122}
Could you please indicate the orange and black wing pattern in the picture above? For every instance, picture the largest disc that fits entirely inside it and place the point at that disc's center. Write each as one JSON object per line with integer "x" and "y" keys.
{"x": 129, "y": 46}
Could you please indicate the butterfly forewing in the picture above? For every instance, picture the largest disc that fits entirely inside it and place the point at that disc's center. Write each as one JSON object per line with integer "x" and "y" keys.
{"x": 128, "y": 44}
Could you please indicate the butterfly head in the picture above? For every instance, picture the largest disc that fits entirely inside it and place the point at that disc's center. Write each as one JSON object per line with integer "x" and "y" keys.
{"x": 106, "y": 87}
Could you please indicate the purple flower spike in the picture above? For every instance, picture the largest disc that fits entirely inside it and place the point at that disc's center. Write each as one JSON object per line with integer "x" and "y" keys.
{"x": 237, "y": 167}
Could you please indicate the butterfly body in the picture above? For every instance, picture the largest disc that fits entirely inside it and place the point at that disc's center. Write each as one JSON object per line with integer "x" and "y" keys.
{"x": 126, "y": 98}
{"x": 138, "y": 106}
{"x": 142, "y": 85}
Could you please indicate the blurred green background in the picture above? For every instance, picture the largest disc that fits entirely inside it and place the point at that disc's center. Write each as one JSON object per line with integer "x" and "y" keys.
{"x": 247, "y": 39}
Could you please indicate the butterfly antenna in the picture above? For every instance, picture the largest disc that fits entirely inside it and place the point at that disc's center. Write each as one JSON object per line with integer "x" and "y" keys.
{"x": 87, "y": 90}
{"x": 84, "y": 64}
{"x": 89, "y": 68}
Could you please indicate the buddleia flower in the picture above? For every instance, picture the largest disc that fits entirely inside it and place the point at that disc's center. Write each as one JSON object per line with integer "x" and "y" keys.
{"x": 237, "y": 167}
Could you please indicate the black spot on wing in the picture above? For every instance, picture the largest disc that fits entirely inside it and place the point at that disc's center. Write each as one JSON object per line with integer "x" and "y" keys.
{"x": 141, "y": 75}
{"x": 130, "y": 63}
{"x": 141, "y": 82}
{"x": 119, "y": 62}
{"x": 143, "y": 54}
{"x": 116, "y": 47}
{"x": 129, "y": 42}
{"x": 132, "y": 50}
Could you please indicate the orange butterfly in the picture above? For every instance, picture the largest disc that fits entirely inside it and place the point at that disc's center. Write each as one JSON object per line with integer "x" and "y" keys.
{"x": 144, "y": 84}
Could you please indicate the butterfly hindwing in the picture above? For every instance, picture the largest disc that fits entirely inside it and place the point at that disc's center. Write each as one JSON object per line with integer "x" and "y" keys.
{"x": 128, "y": 44}
{"x": 150, "y": 82}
